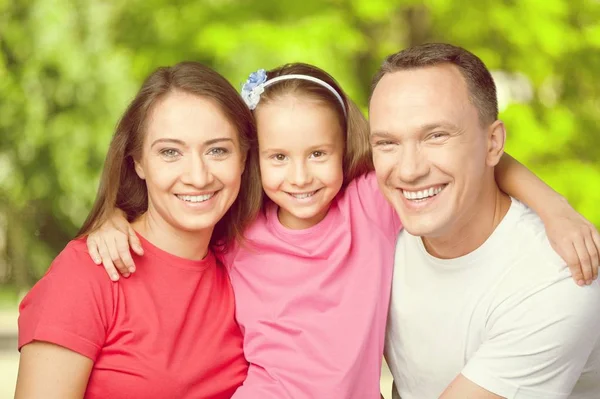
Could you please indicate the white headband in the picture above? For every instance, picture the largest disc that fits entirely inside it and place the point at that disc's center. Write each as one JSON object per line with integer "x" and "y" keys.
{"x": 257, "y": 81}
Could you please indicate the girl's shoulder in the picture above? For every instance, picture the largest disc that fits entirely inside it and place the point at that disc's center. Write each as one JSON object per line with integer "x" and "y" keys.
{"x": 363, "y": 189}
{"x": 364, "y": 201}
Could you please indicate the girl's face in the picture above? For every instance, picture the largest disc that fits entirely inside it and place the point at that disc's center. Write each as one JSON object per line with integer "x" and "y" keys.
{"x": 301, "y": 148}
{"x": 191, "y": 162}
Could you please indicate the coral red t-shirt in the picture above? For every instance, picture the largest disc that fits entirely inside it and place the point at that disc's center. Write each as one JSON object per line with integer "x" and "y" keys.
{"x": 166, "y": 332}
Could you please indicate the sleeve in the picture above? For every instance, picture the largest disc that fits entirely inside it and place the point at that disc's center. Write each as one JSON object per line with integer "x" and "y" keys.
{"x": 375, "y": 205}
{"x": 538, "y": 345}
{"x": 259, "y": 384}
{"x": 71, "y": 306}
{"x": 227, "y": 257}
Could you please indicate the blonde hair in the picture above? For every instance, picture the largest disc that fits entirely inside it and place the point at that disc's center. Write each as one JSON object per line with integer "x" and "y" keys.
{"x": 357, "y": 158}
{"x": 120, "y": 187}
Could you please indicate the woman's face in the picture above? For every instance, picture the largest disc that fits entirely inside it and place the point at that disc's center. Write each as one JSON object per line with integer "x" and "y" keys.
{"x": 191, "y": 162}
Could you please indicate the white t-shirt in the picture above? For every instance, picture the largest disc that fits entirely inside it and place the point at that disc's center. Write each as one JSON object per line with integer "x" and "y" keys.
{"x": 507, "y": 316}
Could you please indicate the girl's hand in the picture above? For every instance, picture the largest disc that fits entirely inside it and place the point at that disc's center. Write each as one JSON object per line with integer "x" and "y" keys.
{"x": 109, "y": 245}
{"x": 577, "y": 241}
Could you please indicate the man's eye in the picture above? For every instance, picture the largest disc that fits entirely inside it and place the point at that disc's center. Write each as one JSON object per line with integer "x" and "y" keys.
{"x": 438, "y": 135}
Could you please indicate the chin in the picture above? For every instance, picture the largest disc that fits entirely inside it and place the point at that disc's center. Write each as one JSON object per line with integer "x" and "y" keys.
{"x": 422, "y": 226}
{"x": 192, "y": 226}
{"x": 305, "y": 217}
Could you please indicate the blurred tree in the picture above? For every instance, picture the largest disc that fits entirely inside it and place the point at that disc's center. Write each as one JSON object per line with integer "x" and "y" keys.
{"x": 63, "y": 83}
{"x": 68, "y": 68}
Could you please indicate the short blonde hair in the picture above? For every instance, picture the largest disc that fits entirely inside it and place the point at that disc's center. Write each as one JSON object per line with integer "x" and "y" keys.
{"x": 479, "y": 80}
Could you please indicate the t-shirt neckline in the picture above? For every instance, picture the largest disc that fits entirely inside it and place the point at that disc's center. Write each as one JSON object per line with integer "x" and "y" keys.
{"x": 174, "y": 260}
{"x": 318, "y": 229}
{"x": 492, "y": 242}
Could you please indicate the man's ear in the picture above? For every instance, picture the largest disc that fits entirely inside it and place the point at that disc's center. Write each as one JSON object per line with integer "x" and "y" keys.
{"x": 496, "y": 140}
{"x": 139, "y": 170}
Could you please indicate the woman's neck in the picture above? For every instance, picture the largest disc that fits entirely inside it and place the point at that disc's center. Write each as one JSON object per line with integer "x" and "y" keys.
{"x": 191, "y": 245}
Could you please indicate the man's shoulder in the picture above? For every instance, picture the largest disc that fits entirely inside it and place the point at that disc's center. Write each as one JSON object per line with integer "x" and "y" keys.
{"x": 524, "y": 242}
{"x": 533, "y": 270}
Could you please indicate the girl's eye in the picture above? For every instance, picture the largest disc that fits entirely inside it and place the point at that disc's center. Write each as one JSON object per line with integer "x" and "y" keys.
{"x": 218, "y": 151}
{"x": 279, "y": 157}
{"x": 317, "y": 154}
{"x": 169, "y": 153}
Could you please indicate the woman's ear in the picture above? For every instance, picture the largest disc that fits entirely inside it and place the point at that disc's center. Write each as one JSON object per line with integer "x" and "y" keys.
{"x": 139, "y": 170}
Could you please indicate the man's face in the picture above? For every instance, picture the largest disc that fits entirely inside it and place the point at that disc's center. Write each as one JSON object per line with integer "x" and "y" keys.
{"x": 431, "y": 153}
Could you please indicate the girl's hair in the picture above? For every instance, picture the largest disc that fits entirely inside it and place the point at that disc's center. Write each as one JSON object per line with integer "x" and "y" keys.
{"x": 357, "y": 152}
{"x": 120, "y": 187}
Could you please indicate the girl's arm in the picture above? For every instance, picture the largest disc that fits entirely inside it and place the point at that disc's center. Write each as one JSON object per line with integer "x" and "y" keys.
{"x": 52, "y": 372}
{"x": 109, "y": 246}
{"x": 573, "y": 237}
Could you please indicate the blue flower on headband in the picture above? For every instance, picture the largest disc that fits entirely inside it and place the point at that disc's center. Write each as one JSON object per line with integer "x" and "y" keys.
{"x": 254, "y": 87}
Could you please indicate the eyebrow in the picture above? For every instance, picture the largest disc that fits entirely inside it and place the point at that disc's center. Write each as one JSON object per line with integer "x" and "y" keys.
{"x": 181, "y": 142}
{"x": 382, "y": 135}
{"x": 423, "y": 128}
{"x": 437, "y": 125}
{"x": 325, "y": 146}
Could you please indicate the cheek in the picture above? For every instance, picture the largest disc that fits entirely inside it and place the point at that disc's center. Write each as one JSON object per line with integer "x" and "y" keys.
{"x": 161, "y": 176}
{"x": 336, "y": 172}
{"x": 384, "y": 164}
{"x": 459, "y": 163}
{"x": 229, "y": 172}
{"x": 271, "y": 177}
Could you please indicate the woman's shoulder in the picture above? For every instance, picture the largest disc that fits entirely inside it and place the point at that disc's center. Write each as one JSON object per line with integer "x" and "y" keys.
{"x": 72, "y": 305}
{"x": 74, "y": 263}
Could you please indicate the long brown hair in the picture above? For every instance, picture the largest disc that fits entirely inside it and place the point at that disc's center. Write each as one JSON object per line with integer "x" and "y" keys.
{"x": 120, "y": 187}
{"x": 357, "y": 152}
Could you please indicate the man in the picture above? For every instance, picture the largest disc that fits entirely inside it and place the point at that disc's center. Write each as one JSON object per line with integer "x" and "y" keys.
{"x": 481, "y": 306}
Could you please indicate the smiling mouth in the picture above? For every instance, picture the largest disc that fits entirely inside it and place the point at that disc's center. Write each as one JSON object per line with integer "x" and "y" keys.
{"x": 423, "y": 195}
{"x": 303, "y": 195}
{"x": 196, "y": 198}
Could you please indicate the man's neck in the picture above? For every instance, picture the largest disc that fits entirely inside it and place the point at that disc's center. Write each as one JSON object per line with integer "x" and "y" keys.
{"x": 474, "y": 229}
{"x": 184, "y": 244}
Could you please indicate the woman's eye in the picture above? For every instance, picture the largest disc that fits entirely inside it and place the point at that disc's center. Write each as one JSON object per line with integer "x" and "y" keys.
{"x": 218, "y": 151}
{"x": 169, "y": 152}
{"x": 383, "y": 143}
{"x": 279, "y": 157}
{"x": 317, "y": 154}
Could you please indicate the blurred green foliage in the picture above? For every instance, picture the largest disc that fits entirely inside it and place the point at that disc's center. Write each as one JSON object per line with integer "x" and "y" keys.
{"x": 69, "y": 67}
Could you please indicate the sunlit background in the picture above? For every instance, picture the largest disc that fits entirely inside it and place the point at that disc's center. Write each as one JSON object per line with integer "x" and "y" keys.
{"x": 69, "y": 67}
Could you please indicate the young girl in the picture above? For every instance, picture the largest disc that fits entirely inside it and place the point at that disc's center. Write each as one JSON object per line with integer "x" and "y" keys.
{"x": 176, "y": 166}
{"x": 312, "y": 278}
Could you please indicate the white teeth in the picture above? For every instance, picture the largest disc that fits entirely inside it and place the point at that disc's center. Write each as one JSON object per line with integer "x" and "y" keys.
{"x": 196, "y": 198}
{"x": 302, "y": 195}
{"x": 419, "y": 195}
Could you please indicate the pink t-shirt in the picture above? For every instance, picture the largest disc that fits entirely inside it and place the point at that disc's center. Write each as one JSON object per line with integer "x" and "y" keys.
{"x": 166, "y": 332}
{"x": 312, "y": 304}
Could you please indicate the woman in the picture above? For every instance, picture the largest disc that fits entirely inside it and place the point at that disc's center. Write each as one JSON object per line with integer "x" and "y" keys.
{"x": 175, "y": 166}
